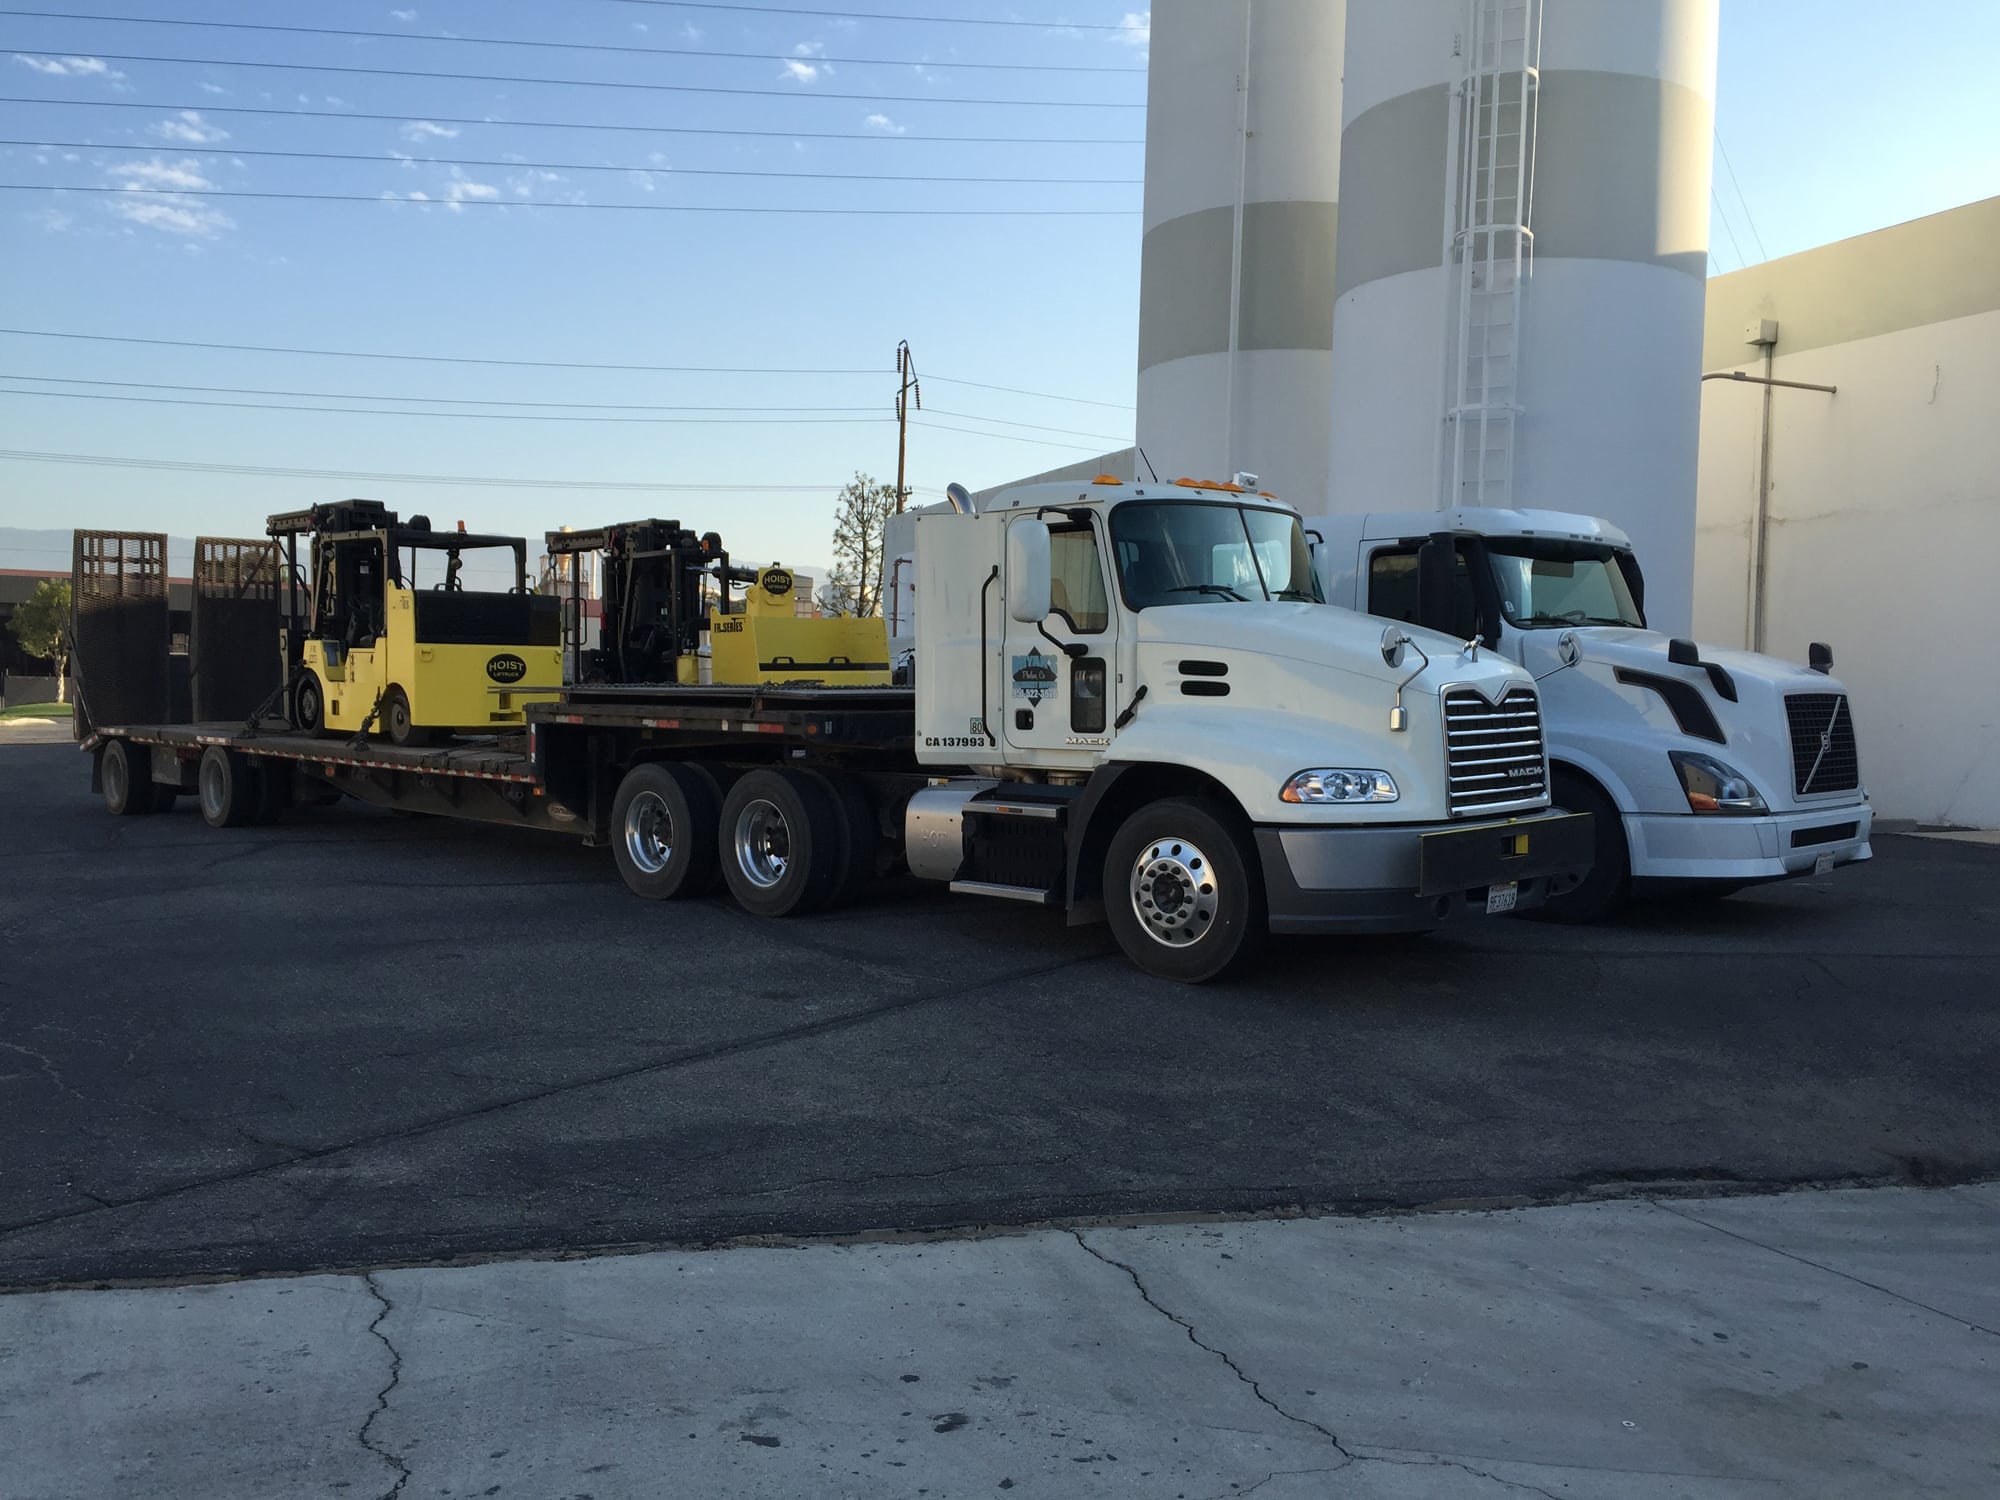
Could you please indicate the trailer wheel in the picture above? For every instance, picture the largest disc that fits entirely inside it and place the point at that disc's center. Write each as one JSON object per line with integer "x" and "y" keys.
{"x": 309, "y": 704}
{"x": 1609, "y": 884}
{"x": 126, "y": 774}
{"x": 274, "y": 789}
{"x": 229, "y": 788}
{"x": 780, "y": 842}
{"x": 397, "y": 723}
{"x": 663, "y": 823}
{"x": 863, "y": 837}
{"x": 1181, "y": 892}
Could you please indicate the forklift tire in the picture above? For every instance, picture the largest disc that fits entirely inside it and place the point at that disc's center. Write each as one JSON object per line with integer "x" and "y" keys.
{"x": 126, "y": 775}
{"x": 863, "y": 838}
{"x": 1182, "y": 892}
{"x": 309, "y": 705}
{"x": 1608, "y": 886}
{"x": 399, "y": 726}
{"x": 780, "y": 842}
{"x": 663, "y": 823}
{"x": 228, "y": 787}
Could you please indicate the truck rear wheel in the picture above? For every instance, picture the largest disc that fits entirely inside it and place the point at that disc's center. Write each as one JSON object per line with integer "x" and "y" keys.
{"x": 857, "y": 849}
{"x": 126, "y": 776}
{"x": 228, "y": 787}
{"x": 663, "y": 824}
{"x": 1181, "y": 891}
{"x": 780, "y": 843}
{"x": 1609, "y": 884}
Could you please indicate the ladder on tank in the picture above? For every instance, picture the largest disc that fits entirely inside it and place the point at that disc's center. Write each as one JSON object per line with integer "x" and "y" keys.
{"x": 1489, "y": 246}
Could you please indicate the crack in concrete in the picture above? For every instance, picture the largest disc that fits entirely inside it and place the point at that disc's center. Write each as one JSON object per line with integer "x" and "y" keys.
{"x": 48, "y": 1068}
{"x": 364, "y": 1436}
{"x": 1873, "y": 1286}
{"x": 1348, "y": 1455}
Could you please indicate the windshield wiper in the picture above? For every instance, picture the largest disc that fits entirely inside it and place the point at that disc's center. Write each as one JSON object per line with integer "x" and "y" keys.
{"x": 1208, "y": 588}
{"x": 1573, "y": 617}
{"x": 1298, "y": 594}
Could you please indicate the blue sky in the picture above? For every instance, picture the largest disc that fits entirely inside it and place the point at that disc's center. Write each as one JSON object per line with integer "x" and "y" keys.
{"x": 1837, "y": 119}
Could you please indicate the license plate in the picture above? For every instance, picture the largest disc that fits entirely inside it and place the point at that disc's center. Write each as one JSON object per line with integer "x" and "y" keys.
{"x": 1501, "y": 898}
{"x": 1823, "y": 865}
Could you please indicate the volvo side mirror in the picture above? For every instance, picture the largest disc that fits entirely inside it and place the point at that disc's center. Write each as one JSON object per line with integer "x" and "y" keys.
{"x": 1819, "y": 656}
{"x": 1028, "y": 571}
{"x": 1683, "y": 653}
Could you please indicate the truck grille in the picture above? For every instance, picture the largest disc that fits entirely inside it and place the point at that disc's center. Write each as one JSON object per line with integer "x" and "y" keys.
{"x": 1823, "y": 755}
{"x": 1494, "y": 752}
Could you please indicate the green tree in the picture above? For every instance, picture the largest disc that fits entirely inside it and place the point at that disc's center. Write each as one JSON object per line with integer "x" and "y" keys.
{"x": 41, "y": 622}
{"x": 855, "y": 587}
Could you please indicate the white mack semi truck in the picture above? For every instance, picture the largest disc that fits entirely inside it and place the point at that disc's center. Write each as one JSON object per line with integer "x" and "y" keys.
{"x": 1707, "y": 770}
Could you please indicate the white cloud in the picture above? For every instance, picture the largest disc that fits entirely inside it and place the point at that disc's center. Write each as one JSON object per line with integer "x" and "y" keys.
{"x": 692, "y": 33}
{"x": 405, "y": 16}
{"x": 800, "y": 72}
{"x": 213, "y": 88}
{"x": 425, "y": 130}
{"x": 70, "y": 67}
{"x": 799, "y": 69}
{"x": 53, "y": 220}
{"x": 462, "y": 190}
{"x": 885, "y": 124}
{"x": 644, "y": 181}
{"x": 1135, "y": 30}
{"x": 188, "y": 126}
{"x": 161, "y": 176}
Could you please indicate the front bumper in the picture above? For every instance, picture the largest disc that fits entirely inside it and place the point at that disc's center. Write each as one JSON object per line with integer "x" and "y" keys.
{"x": 1412, "y": 877}
{"x": 1684, "y": 847}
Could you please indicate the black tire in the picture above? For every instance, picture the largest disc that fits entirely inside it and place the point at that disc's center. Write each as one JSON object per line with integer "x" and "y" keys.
{"x": 274, "y": 789}
{"x": 862, "y": 836}
{"x": 125, "y": 775}
{"x": 780, "y": 842}
{"x": 397, "y": 724}
{"x": 163, "y": 797}
{"x": 228, "y": 788}
{"x": 309, "y": 704}
{"x": 663, "y": 824}
{"x": 1608, "y": 886}
{"x": 1183, "y": 892}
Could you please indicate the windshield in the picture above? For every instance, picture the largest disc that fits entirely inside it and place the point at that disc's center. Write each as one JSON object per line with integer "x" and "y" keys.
{"x": 1199, "y": 552}
{"x": 1547, "y": 584}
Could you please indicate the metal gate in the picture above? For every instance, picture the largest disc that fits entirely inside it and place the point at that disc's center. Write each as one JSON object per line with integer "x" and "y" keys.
{"x": 234, "y": 654}
{"x": 120, "y": 630}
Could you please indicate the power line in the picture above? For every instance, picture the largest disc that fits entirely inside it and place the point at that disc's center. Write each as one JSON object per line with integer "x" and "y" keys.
{"x": 497, "y": 482}
{"x": 625, "y": 47}
{"x": 489, "y": 416}
{"x": 1006, "y": 437}
{"x": 1723, "y": 214}
{"x": 863, "y": 15}
{"x": 234, "y": 390}
{"x": 1748, "y": 217}
{"x": 530, "y": 364}
{"x": 406, "y": 117}
{"x": 613, "y": 83}
{"x": 572, "y": 166}
{"x": 967, "y": 416}
{"x": 142, "y": 194}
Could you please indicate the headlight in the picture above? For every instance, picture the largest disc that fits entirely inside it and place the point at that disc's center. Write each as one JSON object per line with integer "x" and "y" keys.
{"x": 1713, "y": 787}
{"x": 1339, "y": 786}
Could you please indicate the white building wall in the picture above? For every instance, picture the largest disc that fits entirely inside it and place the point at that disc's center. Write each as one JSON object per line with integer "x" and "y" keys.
{"x": 1884, "y": 512}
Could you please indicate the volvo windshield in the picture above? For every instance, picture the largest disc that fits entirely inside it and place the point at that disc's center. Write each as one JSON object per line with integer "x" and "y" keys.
{"x": 1204, "y": 552}
{"x": 1546, "y": 584}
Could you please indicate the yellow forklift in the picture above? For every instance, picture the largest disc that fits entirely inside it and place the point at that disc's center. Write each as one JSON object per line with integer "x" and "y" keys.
{"x": 385, "y": 635}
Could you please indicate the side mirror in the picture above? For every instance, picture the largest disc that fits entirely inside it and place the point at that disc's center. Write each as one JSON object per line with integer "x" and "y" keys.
{"x": 1568, "y": 649}
{"x": 1683, "y": 653}
{"x": 1393, "y": 642}
{"x": 1028, "y": 571}
{"x": 1819, "y": 656}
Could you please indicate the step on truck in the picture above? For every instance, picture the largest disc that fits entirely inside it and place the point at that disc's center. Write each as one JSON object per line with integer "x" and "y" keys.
{"x": 1126, "y": 702}
{"x": 1707, "y": 770}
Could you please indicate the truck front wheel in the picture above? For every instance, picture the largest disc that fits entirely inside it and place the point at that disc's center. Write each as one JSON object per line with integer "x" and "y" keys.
{"x": 1181, "y": 891}
{"x": 1609, "y": 883}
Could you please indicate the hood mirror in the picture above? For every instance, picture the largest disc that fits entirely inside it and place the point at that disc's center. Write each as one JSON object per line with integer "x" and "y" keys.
{"x": 1568, "y": 649}
{"x": 1683, "y": 653}
{"x": 1819, "y": 656}
{"x": 1393, "y": 642}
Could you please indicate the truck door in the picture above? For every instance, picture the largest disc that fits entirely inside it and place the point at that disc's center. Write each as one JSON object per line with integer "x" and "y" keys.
{"x": 1051, "y": 699}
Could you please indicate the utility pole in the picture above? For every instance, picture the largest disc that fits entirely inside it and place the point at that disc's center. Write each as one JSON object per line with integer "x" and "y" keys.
{"x": 907, "y": 390}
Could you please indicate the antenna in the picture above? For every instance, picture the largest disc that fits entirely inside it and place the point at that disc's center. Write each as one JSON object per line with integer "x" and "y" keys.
{"x": 1146, "y": 461}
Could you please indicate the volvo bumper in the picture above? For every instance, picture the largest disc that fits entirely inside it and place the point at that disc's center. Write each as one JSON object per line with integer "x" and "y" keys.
{"x": 1411, "y": 877}
{"x": 1684, "y": 847}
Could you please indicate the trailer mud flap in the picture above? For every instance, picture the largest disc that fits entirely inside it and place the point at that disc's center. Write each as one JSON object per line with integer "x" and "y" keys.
{"x": 1490, "y": 854}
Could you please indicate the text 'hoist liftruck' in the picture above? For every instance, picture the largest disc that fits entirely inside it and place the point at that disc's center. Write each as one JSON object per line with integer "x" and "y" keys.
{"x": 1129, "y": 703}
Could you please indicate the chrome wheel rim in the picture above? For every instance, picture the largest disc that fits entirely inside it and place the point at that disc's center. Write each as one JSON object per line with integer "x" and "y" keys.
{"x": 649, "y": 833}
{"x": 211, "y": 787}
{"x": 763, "y": 843}
{"x": 1174, "y": 892}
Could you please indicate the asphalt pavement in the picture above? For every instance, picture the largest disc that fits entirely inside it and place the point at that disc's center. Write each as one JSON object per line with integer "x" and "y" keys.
{"x": 357, "y": 1040}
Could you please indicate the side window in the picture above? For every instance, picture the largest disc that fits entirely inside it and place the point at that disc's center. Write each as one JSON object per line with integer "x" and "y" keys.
{"x": 1076, "y": 590}
{"x": 1392, "y": 586}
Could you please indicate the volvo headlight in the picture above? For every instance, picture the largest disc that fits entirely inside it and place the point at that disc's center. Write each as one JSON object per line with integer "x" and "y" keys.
{"x": 1339, "y": 786}
{"x": 1713, "y": 787}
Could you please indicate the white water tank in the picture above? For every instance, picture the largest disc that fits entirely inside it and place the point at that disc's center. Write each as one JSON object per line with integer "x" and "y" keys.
{"x": 1601, "y": 373}
{"x": 1236, "y": 288}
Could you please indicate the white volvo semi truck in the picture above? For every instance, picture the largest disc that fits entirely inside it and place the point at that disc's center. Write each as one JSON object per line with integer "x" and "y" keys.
{"x": 1707, "y": 770}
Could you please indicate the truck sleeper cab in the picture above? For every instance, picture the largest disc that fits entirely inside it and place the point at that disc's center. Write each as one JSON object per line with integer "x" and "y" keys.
{"x": 1708, "y": 769}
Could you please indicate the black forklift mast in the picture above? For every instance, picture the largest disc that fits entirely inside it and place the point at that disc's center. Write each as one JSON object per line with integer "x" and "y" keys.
{"x": 652, "y": 577}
